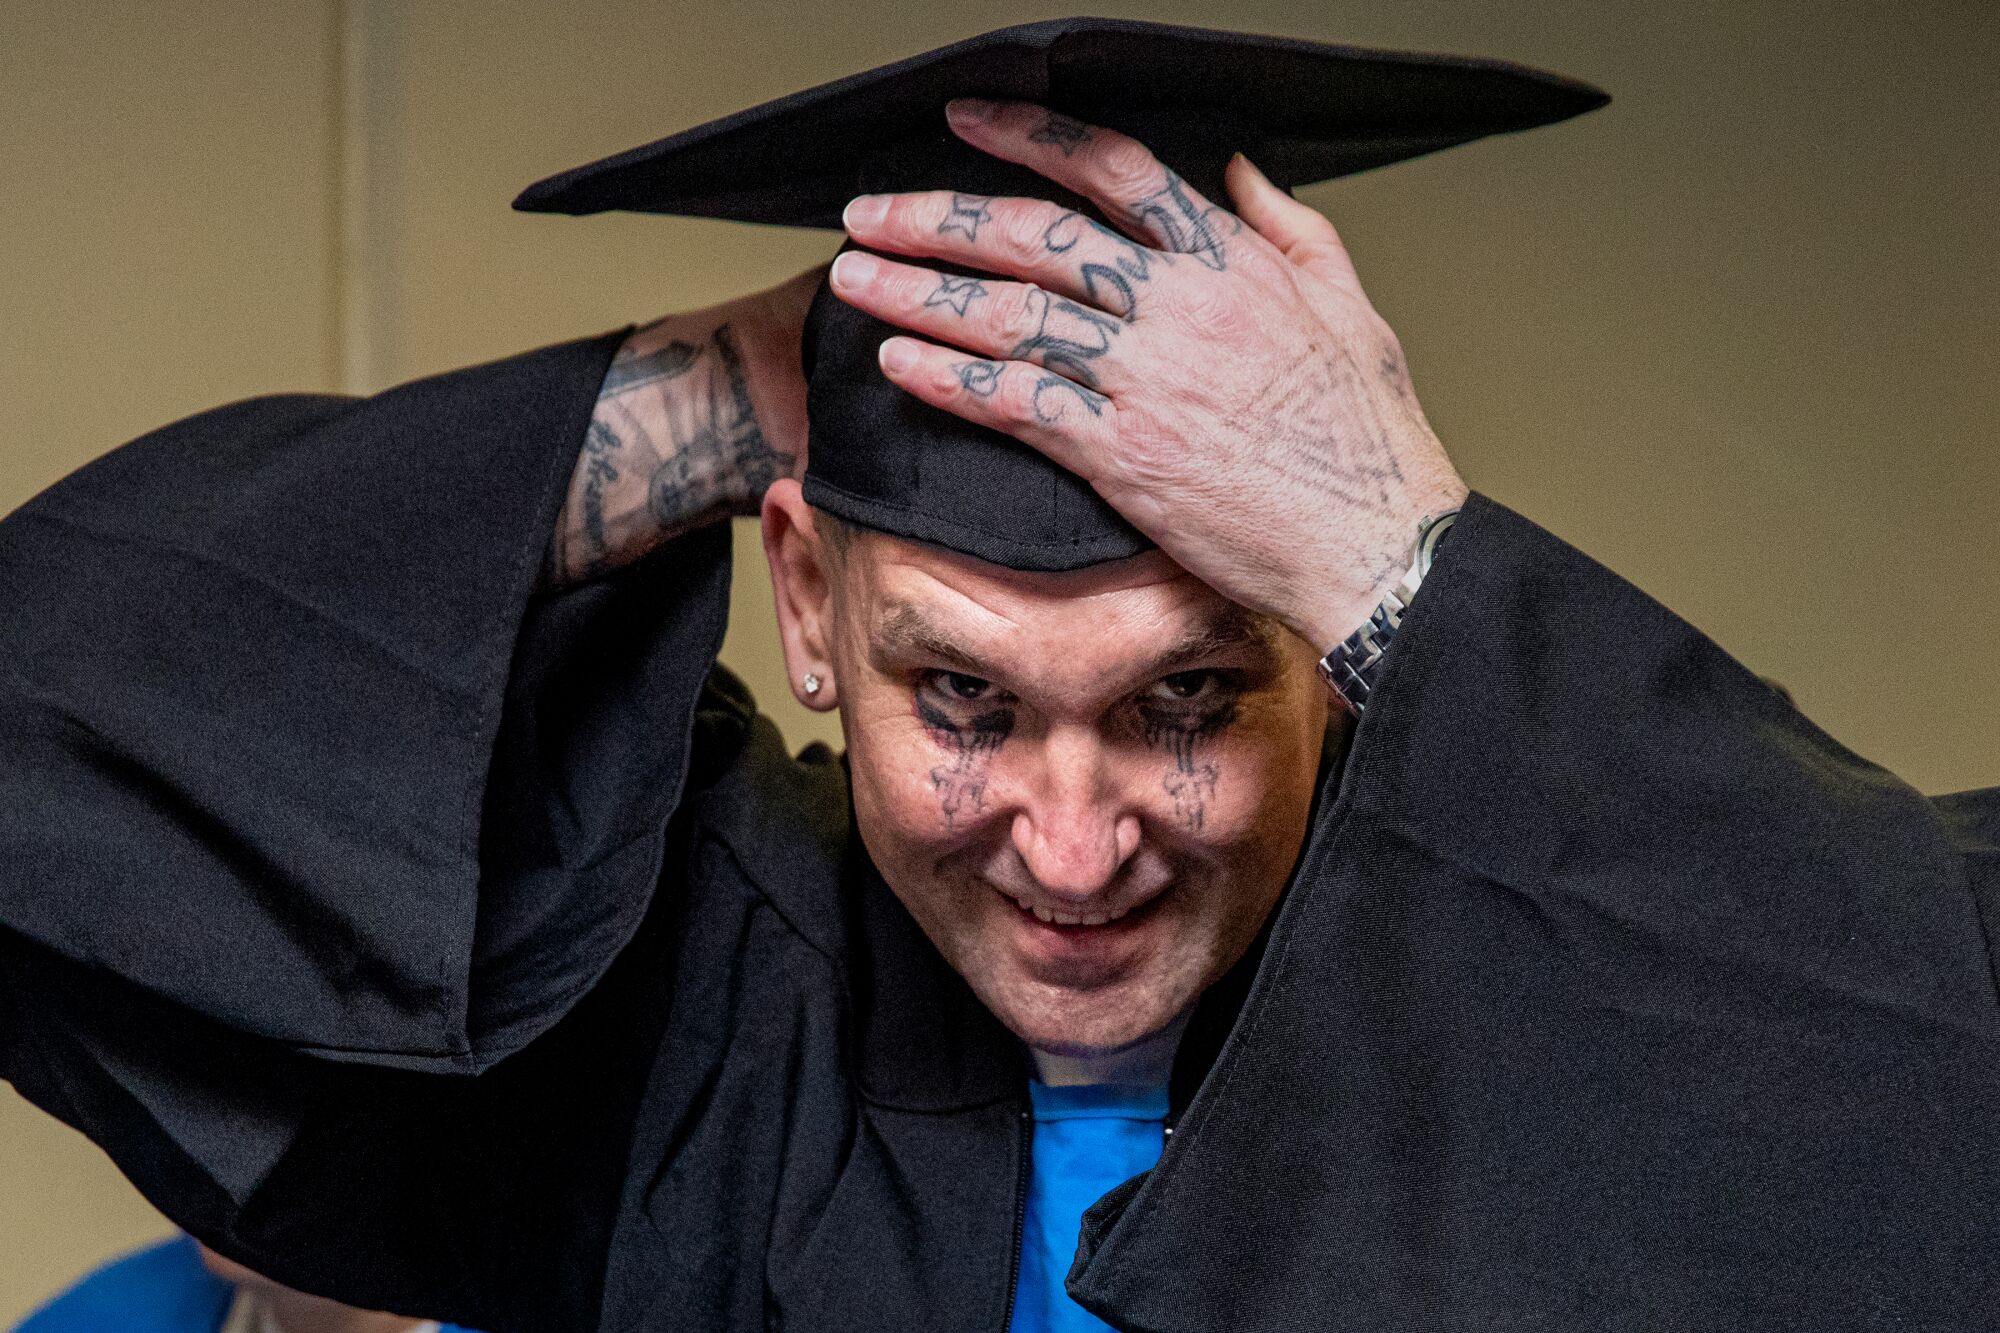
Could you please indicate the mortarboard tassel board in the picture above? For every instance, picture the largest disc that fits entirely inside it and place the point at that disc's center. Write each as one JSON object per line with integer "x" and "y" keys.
{"x": 1302, "y": 111}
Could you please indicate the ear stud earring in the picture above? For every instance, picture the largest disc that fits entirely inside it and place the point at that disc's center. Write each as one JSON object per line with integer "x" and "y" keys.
{"x": 811, "y": 682}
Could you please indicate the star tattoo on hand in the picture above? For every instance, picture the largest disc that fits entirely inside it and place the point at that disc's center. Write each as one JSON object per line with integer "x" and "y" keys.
{"x": 967, "y": 212}
{"x": 958, "y": 293}
{"x": 1062, "y": 132}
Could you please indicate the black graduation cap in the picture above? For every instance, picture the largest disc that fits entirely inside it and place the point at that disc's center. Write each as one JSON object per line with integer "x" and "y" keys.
{"x": 1302, "y": 111}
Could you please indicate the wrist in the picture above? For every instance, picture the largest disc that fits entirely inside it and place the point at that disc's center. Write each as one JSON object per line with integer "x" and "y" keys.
{"x": 772, "y": 396}
{"x": 717, "y": 410}
{"x": 1352, "y": 667}
{"x": 676, "y": 440}
{"x": 1349, "y": 583}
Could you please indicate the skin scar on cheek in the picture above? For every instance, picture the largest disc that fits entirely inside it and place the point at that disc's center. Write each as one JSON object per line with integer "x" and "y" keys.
{"x": 1190, "y": 782}
{"x": 960, "y": 781}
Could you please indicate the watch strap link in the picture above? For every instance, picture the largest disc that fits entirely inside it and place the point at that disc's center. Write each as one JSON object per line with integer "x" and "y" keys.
{"x": 1351, "y": 668}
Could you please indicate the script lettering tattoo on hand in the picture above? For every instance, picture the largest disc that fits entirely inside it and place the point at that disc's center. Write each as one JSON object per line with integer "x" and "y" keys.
{"x": 1179, "y": 730}
{"x": 960, "y": 781}
{"x": 1111, "y": 286}
{"x": 1062, "y": 132}
{"x": 1186, "y": 228}
{"x": 1067, "y": 336}
{"x": 1049, "y": 413}
{"x": 980, "y": 378}
{"x": 967, "y": 212}
{"x": 958, "y": 293}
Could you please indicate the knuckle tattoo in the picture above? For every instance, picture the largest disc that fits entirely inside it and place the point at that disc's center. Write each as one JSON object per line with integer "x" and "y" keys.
{"x": 1112, "y": 266}
{"x": 1066, "y": 226}
{"x": 981, "y": 379}
{"x": 1183, "y": 222}
{"x": 965, "y": 214}
{"x": 1065, "y": 337}
{"x": 1062, "y": 132}
{"x": 1024, "y": 315}
{"x": 955, "y": 293}
{"x": 1053, "y": 396}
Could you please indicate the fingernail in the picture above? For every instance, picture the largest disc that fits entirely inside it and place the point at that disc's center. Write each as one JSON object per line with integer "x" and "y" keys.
{"x": 867, "y": 211}
{"x": 897, "y": 355}
{"x": 854, "y": 269}
{"x": 969, "y": 110}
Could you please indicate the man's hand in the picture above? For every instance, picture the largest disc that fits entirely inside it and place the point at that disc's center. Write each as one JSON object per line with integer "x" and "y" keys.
{"x": 698, "y": 415}
{"x": 1221, "y": 379}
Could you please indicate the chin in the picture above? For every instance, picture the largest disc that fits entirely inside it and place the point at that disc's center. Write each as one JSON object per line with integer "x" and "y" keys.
{"x": 1064, "y": 1023}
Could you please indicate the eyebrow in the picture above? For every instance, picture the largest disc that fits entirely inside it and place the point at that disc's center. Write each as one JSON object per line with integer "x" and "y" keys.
{"x": 906, "y": 630}
{"x": 1229, "y": 630}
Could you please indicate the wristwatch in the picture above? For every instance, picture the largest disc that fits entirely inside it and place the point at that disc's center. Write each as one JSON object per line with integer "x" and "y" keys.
{"x": 1351, "y": 667}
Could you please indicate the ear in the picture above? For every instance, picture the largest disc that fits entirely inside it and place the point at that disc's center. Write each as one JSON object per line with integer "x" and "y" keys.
{"x": 802, "y": 588}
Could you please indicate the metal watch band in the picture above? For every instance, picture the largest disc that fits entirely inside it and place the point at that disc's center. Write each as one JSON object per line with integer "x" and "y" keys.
{"x": 1352, "y": 666}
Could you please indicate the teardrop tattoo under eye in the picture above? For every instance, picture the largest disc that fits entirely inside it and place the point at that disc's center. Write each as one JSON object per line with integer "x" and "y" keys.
{"x": 969, "y": 742}
{"x": 1179, "y": 729}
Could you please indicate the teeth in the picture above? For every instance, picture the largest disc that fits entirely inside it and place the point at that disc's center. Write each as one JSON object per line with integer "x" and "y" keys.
{"x": 1056, "y": 918}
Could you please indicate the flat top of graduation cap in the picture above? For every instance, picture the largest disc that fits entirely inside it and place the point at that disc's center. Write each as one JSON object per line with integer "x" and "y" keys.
{"x": 1302, "y": 111}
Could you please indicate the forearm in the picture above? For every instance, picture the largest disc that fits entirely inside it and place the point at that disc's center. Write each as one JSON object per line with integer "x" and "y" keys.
{"x": 698, "y": 415}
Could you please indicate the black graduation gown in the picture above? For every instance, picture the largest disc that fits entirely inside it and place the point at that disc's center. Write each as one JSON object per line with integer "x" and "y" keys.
{"x": 452, "y": 949}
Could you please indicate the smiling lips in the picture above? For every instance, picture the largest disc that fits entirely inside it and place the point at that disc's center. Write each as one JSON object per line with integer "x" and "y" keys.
{"x": 1049, "y": 916}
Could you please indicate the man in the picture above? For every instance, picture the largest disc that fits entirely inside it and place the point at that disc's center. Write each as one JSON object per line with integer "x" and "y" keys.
{"x": 1581, "y": 984}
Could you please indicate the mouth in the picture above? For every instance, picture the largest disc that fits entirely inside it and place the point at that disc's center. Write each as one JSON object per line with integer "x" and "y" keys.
{"x": 1077, "y": 919}
{"x": 1089, "y": 947}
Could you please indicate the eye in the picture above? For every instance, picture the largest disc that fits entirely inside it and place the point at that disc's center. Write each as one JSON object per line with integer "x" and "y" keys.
{"x": 1183, "y": 686}
{"x": 967, "y": 689}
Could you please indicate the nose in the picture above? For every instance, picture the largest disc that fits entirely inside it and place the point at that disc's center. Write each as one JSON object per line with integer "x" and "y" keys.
{"x": 1074, "y": 831}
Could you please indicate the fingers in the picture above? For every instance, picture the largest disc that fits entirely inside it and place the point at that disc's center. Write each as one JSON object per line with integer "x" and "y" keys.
{"x": 1008, "y": 320}
{"x": 1055, "y": 248}
{"x": 1069, "y": 422}
{"x": 1302, "y": 234}
{"x": 1112, "y": 170}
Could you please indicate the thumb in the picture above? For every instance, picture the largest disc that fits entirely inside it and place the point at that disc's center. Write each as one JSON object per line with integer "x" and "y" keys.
{"x": 1302, "y": 234}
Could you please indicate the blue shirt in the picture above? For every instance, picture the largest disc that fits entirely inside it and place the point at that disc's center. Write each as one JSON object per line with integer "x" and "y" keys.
{"x": 1087, "y": 1140}
{"x": 164, "y": 1289}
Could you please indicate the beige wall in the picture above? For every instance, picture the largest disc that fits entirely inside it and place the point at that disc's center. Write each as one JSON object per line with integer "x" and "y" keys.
{"x": 166, "y": 227}
{"x": 1732, "y": 335}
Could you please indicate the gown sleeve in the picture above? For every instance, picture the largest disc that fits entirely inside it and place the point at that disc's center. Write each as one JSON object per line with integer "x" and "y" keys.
{"x": 312, "y": 809}
{"x": 1610, "y": 993}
